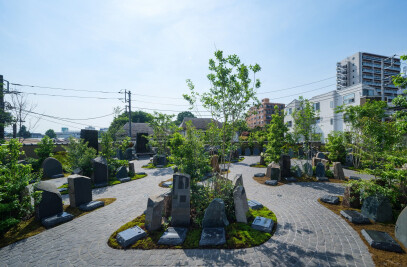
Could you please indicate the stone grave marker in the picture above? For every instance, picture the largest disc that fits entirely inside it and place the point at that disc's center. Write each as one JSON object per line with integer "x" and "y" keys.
{"x": 338, "y": 171}
{"x": 121, "y": 174}
{"x": 262, "y": 160}
{"x": 173, "y": 236}
{"x": 378, "y": 209}
{"x": 291, "y": 153}
{"x": 160, "y": 160}
{"x": 354, "y": 178}
{"x": 181, "y": 196}
{"x": 401, "y": 227}
{"x": 215, "y": 215}
{"x": 254, "y": 205}
{"x": 264, "y": 149}
{"x": 239, "y": 151}
{"x": 90, "y": 136}
{"x": 238, "y": 180}
{"x": 290, "y": 179}
{"x": 91, "y": 205}
{"x": 308, "y": 169}
{"x": 322, "y": 179}
{"x": 80, "y": 190}
{"x": 154, "y": 213}
{"x": 271, "y": 182}
{"x": 215, "y": 163}
{"x": 119, "y": 154}
{"x": 320, "y": 170}
{"x": 132, "y": 170}
{"x": 213, "y": 236}
{"x": 355, "y": 217}
{"x": 52, "y": 168}
{"x": 256, "y": 151}
{"x": 130, "y": 236}
{"x": 247, "y": 152}
{"x": 330, "y": 199}
{"x": 285, "y": 166}
{"x": 260, "y": 174}
{"x": 273, "y": 171}
{"x": 167, "y": 205}
{"x": 167, "y": 184}
{"x": 326, "y": 163}
{"x": 128, "y": 154}
{"x": 240, "y": 202}
{"x": 320, "y": 155}
{"x": 351, "y": 198}
{"x": 315, "y": 161}
{"x": 56, "y": 219}
{"x": 100, "y": 172}
{"x": 297, "y": 171}
{"x": 381, "y": 240}
{"x": 263, "y": 224}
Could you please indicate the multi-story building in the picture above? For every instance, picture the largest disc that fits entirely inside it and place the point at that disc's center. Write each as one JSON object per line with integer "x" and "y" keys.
{"x": 368, "y": 69}
{"x": 261, "y": 116}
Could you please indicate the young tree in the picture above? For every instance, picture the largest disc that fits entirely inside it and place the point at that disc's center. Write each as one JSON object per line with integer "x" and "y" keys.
{"x": 230, "y": 95}
{"x": 50, "y": 133}
{"x": 336, "y": 146}
{"x": 23, "y": 133}
{"x": 163, "y": 127}
{"x": 276, "y": 137}
{"x": 22, "y": 108}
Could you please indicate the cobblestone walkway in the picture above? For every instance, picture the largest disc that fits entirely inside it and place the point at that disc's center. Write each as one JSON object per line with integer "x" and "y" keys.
{"x": 307, "y": 234}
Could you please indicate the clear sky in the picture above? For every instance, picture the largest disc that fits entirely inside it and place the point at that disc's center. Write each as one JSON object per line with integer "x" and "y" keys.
{"x": 152, "y": 47}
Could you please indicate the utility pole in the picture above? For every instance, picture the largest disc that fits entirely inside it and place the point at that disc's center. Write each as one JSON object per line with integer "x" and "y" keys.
{"x": 2, "y": 111}
{"x": 129, "y": 98}
{"x": 382, "y": 79}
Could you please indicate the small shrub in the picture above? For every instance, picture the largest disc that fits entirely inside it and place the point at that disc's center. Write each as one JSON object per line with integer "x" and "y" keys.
{"x": 45, "y": 148}
{"x": 79, "y": 155}
{"x": 329, "y": 174}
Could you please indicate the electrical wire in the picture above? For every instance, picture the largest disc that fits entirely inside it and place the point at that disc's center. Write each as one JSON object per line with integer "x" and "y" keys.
{"x": 70, "y": 96}
{"x": 297, "y": 86}
{"x": 65, "y": 89}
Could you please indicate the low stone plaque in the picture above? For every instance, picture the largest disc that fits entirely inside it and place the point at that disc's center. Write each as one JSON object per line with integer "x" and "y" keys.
{"x": 254, "y": 205}
{"x": 271, "y": 182}
{"x": 355, "y": 217}
{"x": 260, "y": 174}
{"x": 91, "y": 205}
{"x": 141, "y": 173}
{"x": 167, "y": 184}
{"x": 62, "y": 189}
{"x": 173, "y": 236}
{"x": 130, "y": 236}
{"x": 354, "y": 178}
{"x": 330, "y": 199}
{"x": 213, "y": 237}
{"x": 322, "y": 179}
{"x": 123, "y": 180}
{"x": 381, "y": 240}
{"x": 56, "y": 219}
{"x": 263, "y": 224}
{"x": 291, "y": 179}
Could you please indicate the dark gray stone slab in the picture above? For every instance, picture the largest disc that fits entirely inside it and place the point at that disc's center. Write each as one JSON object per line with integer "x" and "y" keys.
{"x": 80, "y": 190}
{"x": 215, "y": 215}
{"x": 291, "y": 179}
{"x": 51, "y": 201}
{"x": 377, "y": 208}
{"x": 263, "y": 224}
{"x": 308, "y": 169}
{"x": 285, "y": 166}
{"x": 181, "y": 198}
{"x": 381, "y": 240}
{"x": 160, "y": 160}
{"x": 167, "y": 184}
{"x": 238, "y": 180}
{"x": 213, "y": 237}
{"x": 141, "y": 173}
{"x": 52, "y": 167}
{"x": 256, "y": 151}
{"x": 330, "y": 199}
{"x": 173, "y": 236}
{"x": 121, "y": 172}
{"x": 322, "y": 179}
{"x": 56, "y": 219}
{"x": 260, "y": 174}
{"x": 320, "y": 155}
{"x": 155, "y": 205}
{"x": 355, "y": 217}
{"x": 254, "y": 205}
{"x": 91, "y": 205}
{"x": 100, "y": 185}
{"x": 57, "y": 176}
{"x": 130, "y": 236}
{"x": 100, "y": 171}
{"x": 239, "y": 151}
{"x": 320, "y": 170}
{"x": 247, "y": 152}
{"x": 401, "y": 227}
{"x": 123, "y": 180}
{"x": 62, "y": 189}
{"x": 240, "y": 202}
{"x": 271, "y": 182}
{"x": 354, "y": 178}
{"x": 128, "y": 154}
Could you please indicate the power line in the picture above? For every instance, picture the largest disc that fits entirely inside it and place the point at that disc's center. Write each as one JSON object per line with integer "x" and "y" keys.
{"x": 39, "y": 117}
{"x": 71, "y": 96}
{"x": 65, "y": 89}
{"x": 305, "y": 91}
{"x": 301, "y": 85}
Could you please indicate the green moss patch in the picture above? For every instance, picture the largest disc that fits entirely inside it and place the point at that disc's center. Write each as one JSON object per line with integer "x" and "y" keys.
{"x": 31, "y": 227}
{"x": 258, "y": 165}
{"x": 238, "y": 235}
{"x": 161, "y": 184}
{"x": 151, "y": 166}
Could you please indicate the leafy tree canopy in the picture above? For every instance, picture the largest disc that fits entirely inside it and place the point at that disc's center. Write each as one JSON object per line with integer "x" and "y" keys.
{"x": 182, "y": 115}
{"x": 51, "y": 133}
{"x": 23, "y": 132}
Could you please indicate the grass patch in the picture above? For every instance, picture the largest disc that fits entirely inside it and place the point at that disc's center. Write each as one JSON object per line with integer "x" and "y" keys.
{"x": 238, "y": 235}
{"x": 32, "y": 227}
{"x": 380, "y": 257}
{"x": 151, "y": 166}
{"x": 262, "y": 180}
{"x": 161, "y": 184}
{"x": 258, "y": 165}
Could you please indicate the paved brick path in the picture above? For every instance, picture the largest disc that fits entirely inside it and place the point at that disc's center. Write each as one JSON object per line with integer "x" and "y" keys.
{"x": 308, "y": 234}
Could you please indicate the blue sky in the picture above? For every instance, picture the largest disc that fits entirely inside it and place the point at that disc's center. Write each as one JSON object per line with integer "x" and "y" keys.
{"x": 152, "y": 47}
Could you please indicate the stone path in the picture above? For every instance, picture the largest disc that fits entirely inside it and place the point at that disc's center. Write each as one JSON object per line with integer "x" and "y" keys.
{"x": 307, "y": 234}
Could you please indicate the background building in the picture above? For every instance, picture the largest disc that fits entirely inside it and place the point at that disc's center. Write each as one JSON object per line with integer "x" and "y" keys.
{"x": 261, "y": 116}
{"x": 366, "y": 68}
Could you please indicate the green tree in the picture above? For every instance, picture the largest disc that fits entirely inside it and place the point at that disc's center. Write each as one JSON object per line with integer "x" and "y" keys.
{"x": 50, "y": 133}
{"x": 336, "y": 146}
{"x": 15, "y": 199}
{"x": 276, "y": 137}
{"x": 116, "y": 127}
{"x": 23, "y": 133}
{"x": 182, "y": 115}
{"x": 230, "y": 95}
{"x": 45, "y": 148}
{"x": 163, "y": 128}
{"x": 80, "y": 155}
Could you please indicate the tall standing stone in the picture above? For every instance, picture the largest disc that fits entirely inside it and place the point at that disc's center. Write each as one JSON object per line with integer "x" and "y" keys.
{"x": 326, "y": 163}
{"x": 285, "y": 165}
{"x": 80, "y": 190}
{"x": 121, "y": 172}
{"x": 351, "y": 198}
{"x": 256, "y": 151}
{"x": 273, "y": 171}
{"x": 315, "y": 161}
{"x": 401, "y": 227}
{"x": 52, "y": 168}
{"x": 262, "y": 160}
{"x": 308, "y": 169}
{"x": 247, "y": 152}
{"x": 100, "y": 174}
{"x": 377, "y": 208}
{"x": 51, "y": 201}
{"x": 338, "y": 171}
{"x": 320, "y": 155}
{"x": 320, "y": 170}
{"x": 238, "y": 180}
{"x": 167, "y": 204}
{"x": 128, "y": 154}
{"x": 241, "y": 206}
{"x": 215, "y": 215}
{"x": 215, "y": 163}
{"x": 154, "y": 213}
{"x": 90, "y": 136}
{"x": 132, "y": 170}
{"x": 181, "y": 196}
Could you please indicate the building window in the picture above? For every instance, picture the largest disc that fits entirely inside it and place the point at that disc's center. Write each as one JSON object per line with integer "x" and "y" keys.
{"x": 316, "y": 106}
{"x": 290, "y": 110}
{"x": 331, "y": 104}
{"x": 317, "y": 120}
{"x": 347, "y": 99}
{"x": 289, "y": 123}
{"x": 332, "y": 121}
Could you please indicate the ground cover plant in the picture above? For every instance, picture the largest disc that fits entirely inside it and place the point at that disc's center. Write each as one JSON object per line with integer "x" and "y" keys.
{"x": 238, "y": 235}
{"x": 380, "y": 257}
{"x": 31, "y": 227}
